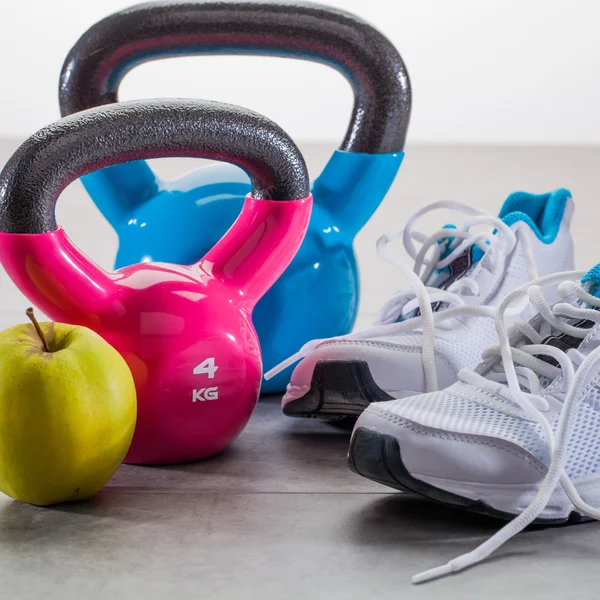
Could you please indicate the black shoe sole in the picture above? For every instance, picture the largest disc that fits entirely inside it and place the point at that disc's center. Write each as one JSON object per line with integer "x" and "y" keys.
{"x": 338, "y": 389}
{"x": 377, "y": 456}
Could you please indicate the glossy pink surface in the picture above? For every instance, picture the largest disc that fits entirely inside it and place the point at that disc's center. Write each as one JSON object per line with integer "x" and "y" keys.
{"x": 168, "y": 321}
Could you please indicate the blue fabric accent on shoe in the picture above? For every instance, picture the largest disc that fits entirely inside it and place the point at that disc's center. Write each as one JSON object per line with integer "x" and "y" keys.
{"x": 592, "y": 279}
{"x": 592, "y": 275}
{"x": 543, "y": 214}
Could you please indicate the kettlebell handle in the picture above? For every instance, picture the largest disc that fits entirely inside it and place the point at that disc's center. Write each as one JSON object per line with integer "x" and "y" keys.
{"x": 96, "y": 65}
{"x": 46, "y": 163}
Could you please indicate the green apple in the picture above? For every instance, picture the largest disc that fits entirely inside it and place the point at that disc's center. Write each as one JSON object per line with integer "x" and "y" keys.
{"x": 67, "y": 412}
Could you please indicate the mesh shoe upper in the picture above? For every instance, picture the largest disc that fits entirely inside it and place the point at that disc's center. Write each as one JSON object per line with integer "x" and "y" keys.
{"x": 462, "y": 346}
{"x": 460, "y": 411}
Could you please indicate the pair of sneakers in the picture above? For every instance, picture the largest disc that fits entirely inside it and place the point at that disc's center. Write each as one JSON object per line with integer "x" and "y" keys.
{"x": 518, "y": 436}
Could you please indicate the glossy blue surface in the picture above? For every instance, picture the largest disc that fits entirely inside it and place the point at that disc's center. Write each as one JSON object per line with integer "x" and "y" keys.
{"x": 179, "y": 221}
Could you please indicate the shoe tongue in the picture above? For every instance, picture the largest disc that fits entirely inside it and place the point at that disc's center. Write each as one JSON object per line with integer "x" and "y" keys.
{"x": 563, "y": 341}
{"x": 459, "y": 267}
{"x": 559, "y": 339}
{"x": 444, "y": 278}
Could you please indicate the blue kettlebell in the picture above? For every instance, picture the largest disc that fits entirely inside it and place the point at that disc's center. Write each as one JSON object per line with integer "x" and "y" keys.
{"x": 178, "y": 221}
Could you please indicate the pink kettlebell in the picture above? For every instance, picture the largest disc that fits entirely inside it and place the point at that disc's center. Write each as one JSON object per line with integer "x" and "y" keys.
{"x": 185, "y": 331}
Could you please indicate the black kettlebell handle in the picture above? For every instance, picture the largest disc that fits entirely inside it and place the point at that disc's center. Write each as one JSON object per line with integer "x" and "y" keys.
{"x": 101, "y": 58}
{"x": 48, "y": 161}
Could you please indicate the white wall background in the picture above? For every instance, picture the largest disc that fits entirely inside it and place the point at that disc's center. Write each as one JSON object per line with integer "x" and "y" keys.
{"x": 483, "y": 71}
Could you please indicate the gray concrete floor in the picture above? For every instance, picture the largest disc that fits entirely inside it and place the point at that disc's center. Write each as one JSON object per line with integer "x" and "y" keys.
{"x": 279, "y": 515}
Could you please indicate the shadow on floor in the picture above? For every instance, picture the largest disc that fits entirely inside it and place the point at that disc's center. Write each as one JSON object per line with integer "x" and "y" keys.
{"x": 404, "y": 519}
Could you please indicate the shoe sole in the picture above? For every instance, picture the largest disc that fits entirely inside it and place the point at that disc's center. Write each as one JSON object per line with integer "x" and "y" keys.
{"x": 377, "y": 457}
{"x": 338, "y": 389}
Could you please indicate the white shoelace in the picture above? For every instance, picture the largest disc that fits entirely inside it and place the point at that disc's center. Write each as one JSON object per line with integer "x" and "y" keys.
{"x": 513, "y": 381}
{"x": 429, "y": 258}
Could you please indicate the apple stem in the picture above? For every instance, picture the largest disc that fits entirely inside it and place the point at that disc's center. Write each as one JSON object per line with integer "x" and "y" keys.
{"x": 29, "y": 313}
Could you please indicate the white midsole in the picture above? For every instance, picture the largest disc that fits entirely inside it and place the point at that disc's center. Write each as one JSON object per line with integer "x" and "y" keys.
{"x": 515, "y": 498}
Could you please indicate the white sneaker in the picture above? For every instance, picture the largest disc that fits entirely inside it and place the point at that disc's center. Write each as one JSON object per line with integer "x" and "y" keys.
{"x": 466, "y": 271}
{"x": 518, "y": 437}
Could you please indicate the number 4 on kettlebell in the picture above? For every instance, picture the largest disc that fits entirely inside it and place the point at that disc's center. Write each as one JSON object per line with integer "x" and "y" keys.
{"x": 207, "y": 367}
